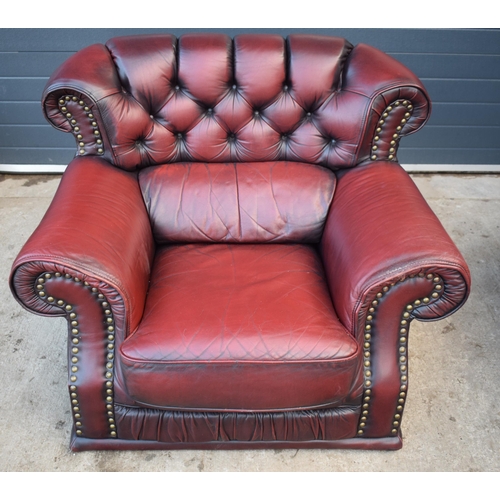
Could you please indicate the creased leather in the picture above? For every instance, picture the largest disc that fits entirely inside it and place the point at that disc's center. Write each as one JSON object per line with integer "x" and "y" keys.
{"x": 237, "y": 203}
{"x": 207, "y": 98}
{"x": 256, "y": 315}
{"x": 97, "y": 224}
{"x": 238, "y": 343}
{"x": 380, "y": 229}
{"x": 185, "y": 427}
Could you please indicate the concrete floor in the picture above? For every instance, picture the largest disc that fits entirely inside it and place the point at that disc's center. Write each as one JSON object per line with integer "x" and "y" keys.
{"x": 452, "y": 416}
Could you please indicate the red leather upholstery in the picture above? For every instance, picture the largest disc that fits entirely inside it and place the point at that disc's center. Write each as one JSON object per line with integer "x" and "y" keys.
{"x": 222, "y": 330}
{"x": 236, "y": 249}
{"x": 208, "y": 98}
{"x": 286, "y": 429}
{"x": 97, "y": 224}
{"x": 240, "y": 202}
{"x": 381, "y": 230}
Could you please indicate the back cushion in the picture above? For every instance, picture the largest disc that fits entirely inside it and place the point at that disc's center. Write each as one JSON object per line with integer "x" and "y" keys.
{"x": 237, "y": 202}
{"x": 205, "y": 97}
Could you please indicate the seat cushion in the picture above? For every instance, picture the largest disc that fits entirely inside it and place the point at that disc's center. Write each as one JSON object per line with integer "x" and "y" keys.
{"x": 239, "y": 327}
{"x": 237, "y": 202}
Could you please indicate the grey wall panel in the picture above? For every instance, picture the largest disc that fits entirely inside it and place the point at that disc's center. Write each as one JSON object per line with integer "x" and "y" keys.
{"x": 441, "y": 41}
{"x": 449, "y": 137}
{"x": 452, "y": 156}
{"x": 452, "y": 66}
{"x": 40, "y": 136}
{"x": 36, "y": 156}
{"x": 477, "y": 91}
{"x": 22, "y": 89}
{"x": 21, "y": 113}
{"x": 470, "y": 114}
{"x": 28, "y": 64}
{"x": 460, "y": 68}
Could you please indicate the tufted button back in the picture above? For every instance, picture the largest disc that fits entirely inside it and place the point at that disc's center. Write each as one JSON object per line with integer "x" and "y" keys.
{"x": 156, "y": 99}
{"x": 208, "y": 89}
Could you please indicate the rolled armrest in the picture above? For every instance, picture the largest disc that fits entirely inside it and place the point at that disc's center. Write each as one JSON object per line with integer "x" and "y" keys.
{"x": 71, "y": 99}
{"x": 380, "y": 231}
{"x": 96, "y": 231}
{"x": 380, "y": 101}
{"x": 91, "y": 96}
{"x": 388, "y": 260}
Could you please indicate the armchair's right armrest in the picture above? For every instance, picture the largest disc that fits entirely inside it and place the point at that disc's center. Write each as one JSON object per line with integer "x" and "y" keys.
{"x": 71, "y": 98}
{"x": 90, "y": 261}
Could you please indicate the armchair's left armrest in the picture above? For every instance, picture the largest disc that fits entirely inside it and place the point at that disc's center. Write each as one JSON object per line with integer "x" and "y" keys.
{"x": 96, "y": 226}
{"x": 380, "y": 230}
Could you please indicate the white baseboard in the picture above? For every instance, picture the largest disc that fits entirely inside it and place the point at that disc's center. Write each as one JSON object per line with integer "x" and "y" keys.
{"x": 32, "y": 169}
{"x": 476, "y": 169}
{"x": 438, "y": 169}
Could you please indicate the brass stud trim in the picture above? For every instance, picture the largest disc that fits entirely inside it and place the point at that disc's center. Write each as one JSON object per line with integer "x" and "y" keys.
{"x": 108, "y": 361}
{"x": 395, "y": 136}
{"x": 401, "y": 352}
{"x": 83, "y": 148}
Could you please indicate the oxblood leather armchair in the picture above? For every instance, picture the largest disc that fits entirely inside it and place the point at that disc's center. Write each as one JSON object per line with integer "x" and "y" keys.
{"x": 235, "y": 247}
